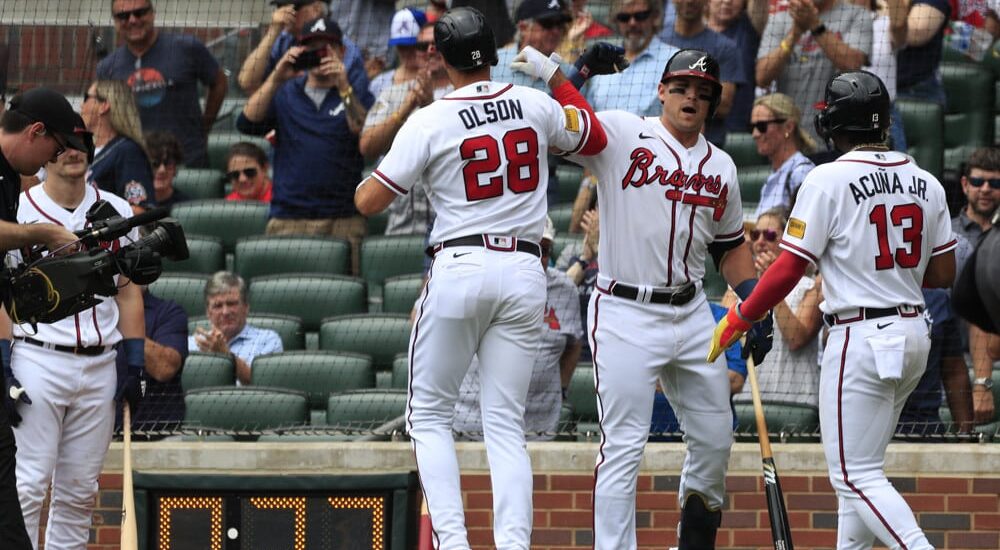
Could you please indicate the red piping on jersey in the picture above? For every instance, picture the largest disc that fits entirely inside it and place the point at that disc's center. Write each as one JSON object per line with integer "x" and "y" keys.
{"x": 670, "y": 249}
{"x": 774, "y": 285}
{"x": 93, "y": 313}
{"x": 887, "y": 164}
{"x": 586, "y": 134}
{"x": 600, "y": 423}
{"x": 694, "y": 210}
{"x": 76, "y": 319}
{"x": 388, "y": 182}
{"x": 840, "y": 442}
{"x": 799, "y": 251}
{"x": 482, "y": 97}
{"x": 39, "y": 209}
{"x": 944, "y": 247}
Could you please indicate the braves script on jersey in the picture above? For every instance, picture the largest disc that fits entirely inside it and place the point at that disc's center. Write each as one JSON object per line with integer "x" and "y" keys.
{"x": 97, "y": 326}
{"x": 483, "y": 147}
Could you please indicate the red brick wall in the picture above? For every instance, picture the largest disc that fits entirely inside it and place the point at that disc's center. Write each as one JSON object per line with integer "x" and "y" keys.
{"x": 954, "y": 512}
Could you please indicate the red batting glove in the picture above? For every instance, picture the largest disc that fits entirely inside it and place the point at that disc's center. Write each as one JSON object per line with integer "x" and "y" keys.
{"x": 731, "y": 328}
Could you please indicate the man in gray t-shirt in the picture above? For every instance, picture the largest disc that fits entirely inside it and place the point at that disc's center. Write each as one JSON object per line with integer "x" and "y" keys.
{"x": 807, "y": 44}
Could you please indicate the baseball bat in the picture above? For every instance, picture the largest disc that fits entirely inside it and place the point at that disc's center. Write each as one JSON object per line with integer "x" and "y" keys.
{"x": 130, "y": 534}
{"x": 776, "y": 511}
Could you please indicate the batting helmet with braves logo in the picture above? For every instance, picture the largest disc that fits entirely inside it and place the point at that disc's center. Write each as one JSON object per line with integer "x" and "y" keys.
{"x": 855, "y": 101}
{"x": 697, "y": 63}
{"x": 465, "y": 39}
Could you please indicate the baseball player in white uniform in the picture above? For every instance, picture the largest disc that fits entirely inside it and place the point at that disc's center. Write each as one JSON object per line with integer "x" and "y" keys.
{"x": 877, "y": 227}
{"x": 666, "y": 198}
{"x": 482, "y": 149}
{"x": 68, "y": 370}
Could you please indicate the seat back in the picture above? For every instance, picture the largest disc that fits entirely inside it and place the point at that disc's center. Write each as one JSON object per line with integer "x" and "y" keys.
{"x": 200, "y": 183}
{"x": 364, "y": 410}
{"x": 714, "y": 284}
{"x": 400, "y": 292}
{"x": 581, "y": 394}
{"x": 270, "y": 255}
{"x": 187, "y": 289}
{"x": 386, "y": 256}
{"x": 752, "y": 179}
{"x": 203, "y": 370}
{"x": 288, "y": 327}
{"x": 206, "y": 256}
{"x": 569, "y": 176}
{"x": 227, "y": 220}
{"x": 315, "y": 373}
{"x": 923, "y": 123}
{"x": 785, "y": 419}
{"x": 311, "y": 297}
{"x": 220, "y": 142}
{"x": 400, "y": 371}
{"x": 743, "y": 150}
{"x": 245, "y": 408}
{"x": 561, "y": 214}
{"x": 380, "y": 335}
{"x": 968, "y": 118}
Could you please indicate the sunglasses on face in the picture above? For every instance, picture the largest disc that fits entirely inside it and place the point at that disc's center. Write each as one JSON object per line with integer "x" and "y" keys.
{"x": 166, "y": 163}
{"x": 639, "y": 16}
{"x": 139, "y": 13}
{"x": 978, "y": 182}
{"x": 761, "y": 125}
{"x": 60, "y": 145}
{"x": 423, "y": 46}
{"x": 769, "y": 235}
{"x": 250, "y": 173}
{"x": 88, "y": 96}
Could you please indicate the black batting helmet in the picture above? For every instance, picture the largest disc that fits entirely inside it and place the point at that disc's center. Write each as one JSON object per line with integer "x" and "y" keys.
{"x": 696, "y": 63}
{"x": 855, "y": 101}
{"x": 464, "y": 39}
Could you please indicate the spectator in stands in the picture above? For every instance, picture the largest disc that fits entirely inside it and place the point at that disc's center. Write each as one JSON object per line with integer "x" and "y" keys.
{"x": 120, "y": 163}
{"x": 163, "y": 70}
{"x": 888, "y": 37}
{"x": 582, "y": 268}
{"x": 582, "y": 29}
{"x": 774, "y": 125}
{"x": 917, "y": 75}
{"x": 406, "y": 25}
{"x": 410, "y": 214}
{"x": 162, "y": 407}
{"x": 791, "y": 370}
{"x": 246, "y": 170}
{"x": 227, "y": 309}
{"x": 317, "y": 116}
{"x": 165, "y": 155}
{"x": 981, "y": 186}
{"x": 743, "y": 22}
{"x": 639, "y": 21}
{"x": 690, "y": 31}
{"x": 555, "y": 360}
{"x": 365, "y": 22}
{"x": 804, "y": 46}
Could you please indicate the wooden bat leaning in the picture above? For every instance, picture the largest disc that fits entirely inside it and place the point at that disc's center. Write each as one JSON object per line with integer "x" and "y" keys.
{"x": 776, "y": 511}
{"x": 130, "y": 534}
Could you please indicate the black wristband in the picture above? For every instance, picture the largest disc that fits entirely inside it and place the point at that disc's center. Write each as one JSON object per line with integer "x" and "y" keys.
{"x": 818, "y": 31}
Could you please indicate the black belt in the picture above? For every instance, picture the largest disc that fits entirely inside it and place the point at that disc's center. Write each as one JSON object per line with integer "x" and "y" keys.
{"x": 866, "y": 313}
{"x": 92, "y": 351}
{"x": 502, "y": 244}
{"x": 657, "y": 296}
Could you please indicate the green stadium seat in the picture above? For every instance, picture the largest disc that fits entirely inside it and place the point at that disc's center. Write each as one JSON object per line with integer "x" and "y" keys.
{"x": 743, "y": 150}
{"x": 200, "y": 183}
{"x": 206, "y": 256}
{"x": 364, "y": 410}
{"x": 387, "y": 256}
{"x": 752, "y": 179}
{"x": 569, "y": 176}
{"x": 288, "y": 327}
{"x": 227, "y": 220}
{"x": 581, "y": 393}
{"x": 400, "y": 371}
{"x": 400, "y": 293}
{"x": 968, "y": 118}
{"x": 220, "y": 142}
{"x": 245, "y": 408}
{"x": 271, "y": 255}
{"x": 377, "y": 223}
{"x": 923, "y": 123}
{"x": 789, "y": 421}
{"x": 561, "y": 214}
{"x": 714, "y": 284}
{"x": 202, "y": 370}
{"x": 380, "y": 335}
{"x": 310, "y": 297}
{"x": 187, "y": 289}
{"x": 315, "y": 373}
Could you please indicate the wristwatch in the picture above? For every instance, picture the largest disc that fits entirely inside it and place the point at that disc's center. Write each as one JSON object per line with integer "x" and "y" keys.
{"x": 818, "y": 31}
{"x": 984, "y": 381}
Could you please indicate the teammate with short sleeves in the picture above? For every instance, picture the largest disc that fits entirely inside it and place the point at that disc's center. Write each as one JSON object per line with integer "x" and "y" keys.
{"x": 667, "y": 198}
{"x": 877, "y": 227}
{"x": 482, "y": 150}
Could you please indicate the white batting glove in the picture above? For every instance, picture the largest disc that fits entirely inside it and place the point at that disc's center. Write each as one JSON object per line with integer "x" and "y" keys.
{"x": 534, "y": 63}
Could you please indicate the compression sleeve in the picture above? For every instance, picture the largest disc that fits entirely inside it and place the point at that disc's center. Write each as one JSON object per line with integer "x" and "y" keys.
{"x": 777, "y": 281}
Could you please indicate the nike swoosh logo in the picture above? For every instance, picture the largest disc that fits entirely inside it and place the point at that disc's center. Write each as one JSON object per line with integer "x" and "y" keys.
{"x": 644, "y": 136}
{"x": 460, "y": 254}
{"x": 880, "y": 327}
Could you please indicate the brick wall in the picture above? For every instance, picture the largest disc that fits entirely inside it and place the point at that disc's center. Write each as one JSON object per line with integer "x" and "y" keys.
{"x": 955, "y": 512}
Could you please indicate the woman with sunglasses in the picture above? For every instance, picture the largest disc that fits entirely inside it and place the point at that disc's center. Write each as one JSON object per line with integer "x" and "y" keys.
{"x": 791, "y": 370}
{"x": 166, "y": 154}
{"x": 246, "y": 171}
{"x": 774, "y": 125}
{"x": 121, "y": 165}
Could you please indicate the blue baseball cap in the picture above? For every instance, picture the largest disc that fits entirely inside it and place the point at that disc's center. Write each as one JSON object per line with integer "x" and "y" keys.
{"x": 406, "y": 25}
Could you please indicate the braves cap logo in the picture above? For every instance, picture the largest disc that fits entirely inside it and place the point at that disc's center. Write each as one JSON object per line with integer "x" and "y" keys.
{"x": 700, "y": 65}
{"x": 319, "y": 25}
{"x": 554, "y": 5}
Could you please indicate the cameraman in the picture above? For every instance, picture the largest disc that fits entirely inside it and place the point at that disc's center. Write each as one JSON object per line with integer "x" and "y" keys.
{"x": 38, "y": 127}
{"x": 67, "y": 367}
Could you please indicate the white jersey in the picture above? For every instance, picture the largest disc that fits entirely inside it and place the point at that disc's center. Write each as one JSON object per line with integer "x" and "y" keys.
{"x": 661, "y": 205}
{"x": 871, "y": 221}
{"x": 97, "y": 326}
{"x": 482, "y": 151}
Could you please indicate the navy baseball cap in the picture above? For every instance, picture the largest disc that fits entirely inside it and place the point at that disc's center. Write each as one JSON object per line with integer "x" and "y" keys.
{"x": 296, "y": 3}
{"x": 323, "y": 27}
{"x": 552, "y": 10}
{"x": 52, "y": 109}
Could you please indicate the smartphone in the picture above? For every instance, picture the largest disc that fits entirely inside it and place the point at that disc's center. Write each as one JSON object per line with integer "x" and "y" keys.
{"x": 308, "y": 59}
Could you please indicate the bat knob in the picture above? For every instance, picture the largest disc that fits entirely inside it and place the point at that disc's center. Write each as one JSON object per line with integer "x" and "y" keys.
{"x": 15, "y": 392}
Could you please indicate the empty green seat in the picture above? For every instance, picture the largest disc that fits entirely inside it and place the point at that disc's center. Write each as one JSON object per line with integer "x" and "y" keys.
{"x": 400, "y": 293}
{"x": 380, "y": 335}
{"x": 227, "y": 220}
{"x": 203, "y": 370}
{"x": 968, "y": 118}
{"x": 245, "y": 409}
{"x": 796, "y": 421}
{"x": 386, "y": 256}
{"x": 377, "y": 223}
{"x": 581, "y": 394}
{"x": 400, "y": 371}
{"x": 569, "y": 176}
{"x": 315, "y": 373}
{"x": 714, "y": 284}
{"x": 288, "y": 327}
{"x": 206, "y": 256}
{"x": 187, "y": 289}
{"x": 923, "y": 123}
{"x": 752, "y": 180}
{"x": 220, "y": 142}
{"x": 365, "y": 410}
{"x": 200, "y": 183}
{"x": 270, "y": 255}
{"x": 561, "y": 214}
{"x": 743, "y": 150}
{"x": 310, "y": 297}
